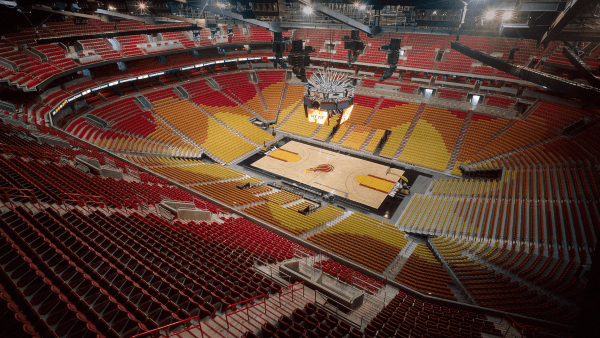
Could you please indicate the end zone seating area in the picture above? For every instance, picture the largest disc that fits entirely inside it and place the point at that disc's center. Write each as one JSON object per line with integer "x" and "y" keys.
{"x": 130, "y": 129}
{"x": 481, "y": 129}
{"x": 228, "y": 193}
{"x": 392, "y": 113}
{"x": 292, "y": 221}
{"x": 363, "y": 240}
{"x": 406, "y": 316}
{"x": 339, "y": 134}
{"x": 198, "y": 173}
{"x": 299, "y": 125}
{"x": 402, "y": 116}
{"x": 271, "y": 87}
{"x": 431, "y": 142}
{"x": 204, "y": 130}
{"x": 424, "y": 273}
{"x": 521, "y": 133}
{"x": 363, "y": 106}
{"x": 224, "y": 109}
{"x": 357, "y": 137}
{"x": 490, "y": 287}
{"x": 282, "y": 197}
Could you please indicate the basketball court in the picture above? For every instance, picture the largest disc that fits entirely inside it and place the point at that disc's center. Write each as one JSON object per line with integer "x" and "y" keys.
{"x": 358, "y": 180}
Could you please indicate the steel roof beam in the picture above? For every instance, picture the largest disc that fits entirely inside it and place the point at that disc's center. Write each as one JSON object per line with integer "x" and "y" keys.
{"x": 341, "y": 18}
{"x": 69, "y": 13}
{"x": 146, "y": 19}
{"x": 572, "y": 9}
{"x": 558, "y": 84}
{"x": 273, "y": 27}
{"x": 582, "y": 67}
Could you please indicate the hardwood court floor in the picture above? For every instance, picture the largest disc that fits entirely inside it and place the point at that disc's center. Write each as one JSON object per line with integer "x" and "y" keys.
{"x": 347, "y": 174}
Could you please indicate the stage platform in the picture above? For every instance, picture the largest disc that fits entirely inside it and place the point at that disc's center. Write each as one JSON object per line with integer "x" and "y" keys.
{"x": 358, "y": 180}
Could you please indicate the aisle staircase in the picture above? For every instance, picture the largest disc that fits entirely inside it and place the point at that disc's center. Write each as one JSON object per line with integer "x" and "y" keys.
{"x": 375, "y": 108}
{"x": 233, "y": 130}
{"x": 460, "y": 141}
{"x": 261, "y": 97}
{"x": 397, "y": 263}
{"x": 368, "y": 139}
{"x": 187, "y": 139}
{"x": 290, "y": 115}
{"x": 412, "y": 126}
{"x": 326, "y": 225}
{"x": 316, "y": 131}
{"x": 283, "y": 95}
{"x": 243, "y": 105}
{"x": 348, "y": 132}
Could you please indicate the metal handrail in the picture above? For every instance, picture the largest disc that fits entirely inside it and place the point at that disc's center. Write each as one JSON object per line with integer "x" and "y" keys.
{"x": 82, "y": 199}
{"x": 5, "y": 194}
{"x": 156, "y": 332}
{"x": 292, "y": 292}
{"x": 247, "y": 308}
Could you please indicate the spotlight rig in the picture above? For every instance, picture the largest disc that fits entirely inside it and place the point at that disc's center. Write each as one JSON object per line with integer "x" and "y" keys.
{"x": 354, "y": 46}
{"x": 278, "y": 48}
{"x": 298, "y": 57}
{"x": 393, "y": 50}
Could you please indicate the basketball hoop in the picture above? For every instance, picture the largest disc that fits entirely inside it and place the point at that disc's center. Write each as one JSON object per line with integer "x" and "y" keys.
{"x": 389, "y": 172}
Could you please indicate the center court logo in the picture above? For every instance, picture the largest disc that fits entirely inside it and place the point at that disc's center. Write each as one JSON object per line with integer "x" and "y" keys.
{"x": 326, "y": 168}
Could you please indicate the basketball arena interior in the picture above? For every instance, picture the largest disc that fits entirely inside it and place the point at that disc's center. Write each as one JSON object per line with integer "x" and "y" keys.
{"x": 299, "y": 168}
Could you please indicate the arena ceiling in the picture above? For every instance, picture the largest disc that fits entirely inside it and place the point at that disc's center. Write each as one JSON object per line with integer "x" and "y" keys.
{"x": 544, "y": 20}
